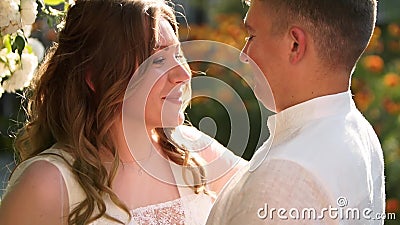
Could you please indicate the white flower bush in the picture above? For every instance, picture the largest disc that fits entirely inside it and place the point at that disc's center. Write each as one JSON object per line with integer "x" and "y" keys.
{"x": 23, "y": 74}
{"x": 18, "y": 74}
{"x": 19, "y": 55}
{"x": 14, "y": 14}
{"x": 10, "y": 17}
{"x": 28, "y": 11}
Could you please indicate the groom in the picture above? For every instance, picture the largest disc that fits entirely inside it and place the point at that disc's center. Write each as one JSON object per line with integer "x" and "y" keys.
{"x": 323, "y": 163}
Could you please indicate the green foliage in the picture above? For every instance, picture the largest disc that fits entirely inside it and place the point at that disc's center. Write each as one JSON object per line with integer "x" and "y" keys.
{"x": 53, "y": 2}
{"x": 376, "y": 88}
{"x": 18, "y": 44}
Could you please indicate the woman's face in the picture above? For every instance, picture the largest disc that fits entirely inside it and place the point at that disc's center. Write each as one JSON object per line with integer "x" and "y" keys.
{"x": 163, "y": 83}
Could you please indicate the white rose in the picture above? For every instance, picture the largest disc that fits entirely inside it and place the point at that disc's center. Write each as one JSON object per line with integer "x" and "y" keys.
{"x": 12, "y": 59}
{"x": 8, "y": 11}
{"x": 29, "y": 61}
{"x": 11, "y": 28}
{"x": 15, "y": 82}
{"x": 10, "y": 18}
{"x": 23, "y": 75}
{"x": 9, "y": 61}
{"x": 27, "y": 30}
{"x": 4, "y": 71}
{"x": 37, "y": 48}
{"x": 28, "y": 11}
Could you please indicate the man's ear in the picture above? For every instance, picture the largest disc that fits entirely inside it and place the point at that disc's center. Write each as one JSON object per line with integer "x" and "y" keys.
{"x": 298, "y": 44}
{"x": 88, "y": 80}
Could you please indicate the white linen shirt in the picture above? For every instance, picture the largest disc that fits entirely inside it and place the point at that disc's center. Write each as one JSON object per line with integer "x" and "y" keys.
{"x": 322, "y": 153}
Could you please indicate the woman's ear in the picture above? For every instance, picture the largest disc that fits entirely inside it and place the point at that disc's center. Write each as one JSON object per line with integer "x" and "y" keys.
{"x": 298, "y": 44}
{"x": 88, "y": 80}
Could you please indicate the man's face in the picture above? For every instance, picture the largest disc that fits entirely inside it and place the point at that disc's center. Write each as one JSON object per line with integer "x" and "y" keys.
{"x": 265, "y": 47}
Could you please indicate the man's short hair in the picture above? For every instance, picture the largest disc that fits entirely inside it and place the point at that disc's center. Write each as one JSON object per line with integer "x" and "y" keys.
{"x": 341, "y": 29}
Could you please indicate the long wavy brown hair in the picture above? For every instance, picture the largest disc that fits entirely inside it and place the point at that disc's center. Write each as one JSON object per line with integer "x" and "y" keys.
{"x": 105, "y": 41}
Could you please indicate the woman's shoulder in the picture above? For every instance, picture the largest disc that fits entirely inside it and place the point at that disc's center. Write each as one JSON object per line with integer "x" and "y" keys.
{"x": 36, "y": 188}
{"x": 49, "y": 171}
{"x": 49, "y": 161}
{"x": 36, "y": 173}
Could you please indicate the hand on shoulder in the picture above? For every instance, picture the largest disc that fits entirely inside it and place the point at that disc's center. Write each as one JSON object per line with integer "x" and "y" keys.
{"x": 222, "y": 163}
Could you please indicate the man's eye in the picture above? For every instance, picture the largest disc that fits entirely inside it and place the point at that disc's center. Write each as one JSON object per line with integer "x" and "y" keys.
{"x": 159, "y": 61}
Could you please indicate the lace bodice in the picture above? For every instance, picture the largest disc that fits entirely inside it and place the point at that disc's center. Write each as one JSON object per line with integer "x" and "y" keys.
{"x": 171, "y": 212}
{"x": 190, "y": 209}
{"x": 165, "y": 213}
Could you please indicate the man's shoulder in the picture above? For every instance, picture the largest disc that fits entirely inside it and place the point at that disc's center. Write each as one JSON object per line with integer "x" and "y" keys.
{"x": 337, "y": 150}
{"x": 348, "y": 134}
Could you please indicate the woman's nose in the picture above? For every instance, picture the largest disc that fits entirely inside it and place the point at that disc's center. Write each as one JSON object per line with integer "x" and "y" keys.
{"x": 180, "y": 73}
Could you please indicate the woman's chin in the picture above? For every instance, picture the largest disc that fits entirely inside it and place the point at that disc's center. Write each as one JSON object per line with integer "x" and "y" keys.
{"x": 169, "y": 121}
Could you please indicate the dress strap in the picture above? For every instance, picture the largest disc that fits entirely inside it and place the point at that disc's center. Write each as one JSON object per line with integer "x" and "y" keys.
{"x": 62, "y": 161}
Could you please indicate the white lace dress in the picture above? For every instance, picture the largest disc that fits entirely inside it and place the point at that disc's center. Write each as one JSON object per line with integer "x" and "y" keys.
{"x": 174, "y": 212}
{"x": 189, "y": 209}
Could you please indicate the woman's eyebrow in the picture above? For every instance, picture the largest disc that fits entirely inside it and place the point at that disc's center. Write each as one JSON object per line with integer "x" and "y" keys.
{"x": 166, "y": 47}
{"x": 162, "y": 47}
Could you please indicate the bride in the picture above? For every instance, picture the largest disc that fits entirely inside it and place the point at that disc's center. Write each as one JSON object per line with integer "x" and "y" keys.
{"x": 104, "y": 142}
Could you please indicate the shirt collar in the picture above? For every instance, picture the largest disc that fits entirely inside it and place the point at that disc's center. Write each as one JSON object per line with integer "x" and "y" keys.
{"x": 317, "y": 108}
{"x": 282, "y": 124}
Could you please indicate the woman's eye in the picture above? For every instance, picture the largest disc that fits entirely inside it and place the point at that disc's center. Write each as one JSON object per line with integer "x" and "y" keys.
{"x": 159, "y": 61}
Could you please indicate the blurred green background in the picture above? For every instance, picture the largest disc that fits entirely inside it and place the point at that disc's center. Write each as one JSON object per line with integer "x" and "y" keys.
{"x": 375, "y": 85}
